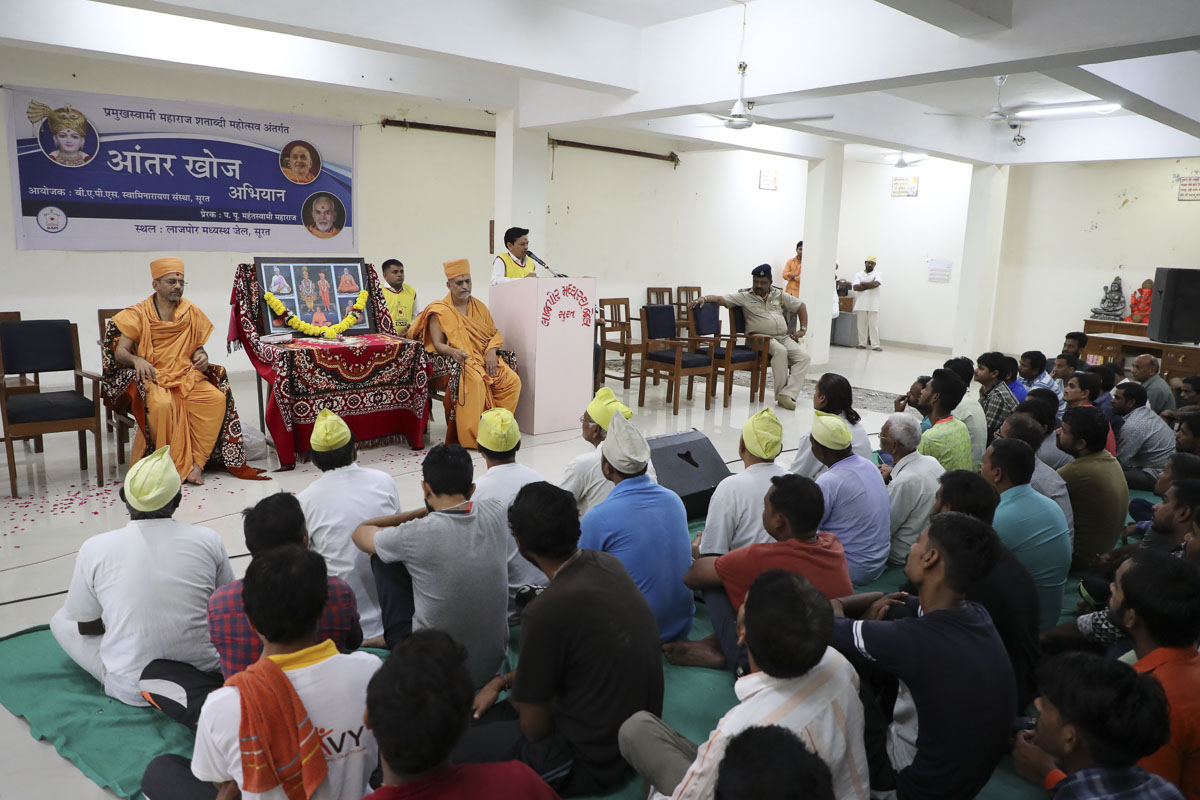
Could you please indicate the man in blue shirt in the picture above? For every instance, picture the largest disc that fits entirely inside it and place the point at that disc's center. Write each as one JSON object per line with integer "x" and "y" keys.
{"x": 1029, "y": 524}
{"x": 645, "y": 526}
{"x": 857, "y": 508}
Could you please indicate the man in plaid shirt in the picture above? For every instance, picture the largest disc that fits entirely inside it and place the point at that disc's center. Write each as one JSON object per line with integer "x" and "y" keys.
{"x": 996, "y": 398}
{"x": 276, "y": 521}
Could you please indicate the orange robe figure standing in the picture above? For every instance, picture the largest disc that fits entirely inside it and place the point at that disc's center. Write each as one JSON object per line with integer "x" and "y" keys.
{"x": 183, "y": 409}
{"x": 323, "y": 288}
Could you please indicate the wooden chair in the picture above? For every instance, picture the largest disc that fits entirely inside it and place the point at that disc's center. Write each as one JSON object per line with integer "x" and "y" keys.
{"x": 614, "y": 319}
{"x": 728, "y": 356}
{"x": 21, "y": 383}
{"x": 758, "y": 344}
{"x": 666, "y": 355}
{"x": 659, "y": 296}
{"x": 119, "y": 419}
{"x": 684, "y": 296}
{"x": 36, "y": 346}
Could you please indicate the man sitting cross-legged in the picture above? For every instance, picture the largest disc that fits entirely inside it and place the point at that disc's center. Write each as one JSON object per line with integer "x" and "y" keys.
{"x": 912, "y": 482}
{"x": 947, "y": 731}
{"x": 590, "y": 659}
{"x": 275, "y": 521}
{"x": 291, "y": 725}
{"x": 947, "y": 439}
{"x": 796, "y": 680}
{"x": 1096, "y": 483}
{"x": 418, "y": 707}
{"x": 335, "y": 503}
{"x": 1045, "y": 481}
{"x": 791, "y": 512}
{"x": 1146, "y": 441}
{"x": 443, "y": 566}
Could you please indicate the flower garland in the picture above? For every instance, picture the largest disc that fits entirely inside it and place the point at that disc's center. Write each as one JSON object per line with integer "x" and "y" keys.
{"x": 294, "y": 322}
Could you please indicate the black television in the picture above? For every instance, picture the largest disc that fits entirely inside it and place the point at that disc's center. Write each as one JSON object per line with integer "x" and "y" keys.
{"x": 1175, "y": 306}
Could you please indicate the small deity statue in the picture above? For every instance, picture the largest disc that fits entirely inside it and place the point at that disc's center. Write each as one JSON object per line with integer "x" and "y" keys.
{"x": 1139, "y": 303}
{"x": 1112, "y": 307}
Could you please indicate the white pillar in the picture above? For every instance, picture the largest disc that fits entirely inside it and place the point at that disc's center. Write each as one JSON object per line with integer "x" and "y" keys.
{"x": 522, "y": 172}
{"x": 822, "y": 212}
{"x": 981, "y": 260}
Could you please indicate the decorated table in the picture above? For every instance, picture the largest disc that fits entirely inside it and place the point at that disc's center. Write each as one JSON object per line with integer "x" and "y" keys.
{"x": 377, "y": 382}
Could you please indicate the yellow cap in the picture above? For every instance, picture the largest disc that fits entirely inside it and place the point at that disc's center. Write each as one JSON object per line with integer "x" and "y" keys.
{"x": 498, "y": 431}
{"x": 831, "y": 431}
{"x": 604, "y": 405}
{"x": 763, "y": 434}
{"x": 329, "y": 432}
{"x": 152, "y": 482}
{"x": 871, "y": 259}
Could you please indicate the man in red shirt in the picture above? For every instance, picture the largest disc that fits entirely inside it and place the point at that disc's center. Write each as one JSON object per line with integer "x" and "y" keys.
{"x": 792, "y": 510}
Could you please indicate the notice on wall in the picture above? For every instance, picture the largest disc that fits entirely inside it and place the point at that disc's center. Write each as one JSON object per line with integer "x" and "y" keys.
{"x": 105, "y": 172}
{"x": 905, "y": 187}
{"x": 939, "y": 270}
{"x": 1189, "y": 187}
{"x": 768, "y": 180}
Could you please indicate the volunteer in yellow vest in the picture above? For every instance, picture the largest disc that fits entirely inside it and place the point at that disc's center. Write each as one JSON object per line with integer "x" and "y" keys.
{"x": 401, "y": 298}
{"x": 461, "y": 327}
{"x": 162, "y": 340}
{"x": 513, "y": 265}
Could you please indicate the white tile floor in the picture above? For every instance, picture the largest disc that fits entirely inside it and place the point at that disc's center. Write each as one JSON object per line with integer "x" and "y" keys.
{"x": 61, "y": 506}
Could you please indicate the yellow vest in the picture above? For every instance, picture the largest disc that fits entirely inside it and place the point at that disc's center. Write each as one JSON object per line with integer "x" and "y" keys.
{"x": 400, "y": 304}
{"x": 514, "y": 270}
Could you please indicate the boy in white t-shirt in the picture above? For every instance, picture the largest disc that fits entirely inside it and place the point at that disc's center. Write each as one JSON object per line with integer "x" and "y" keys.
{"x": 301, "y": 699}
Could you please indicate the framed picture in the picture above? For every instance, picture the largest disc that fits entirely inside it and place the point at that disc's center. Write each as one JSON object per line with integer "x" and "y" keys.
{"x": 318, "y": 290}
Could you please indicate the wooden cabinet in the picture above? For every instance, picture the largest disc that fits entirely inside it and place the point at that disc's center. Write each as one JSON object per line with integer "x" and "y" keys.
{"x": 1176, "y": 360}
{"x": 1091, "y": 326}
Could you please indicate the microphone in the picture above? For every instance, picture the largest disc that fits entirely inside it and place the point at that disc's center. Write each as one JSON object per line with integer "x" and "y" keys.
{"x": 530, "y": 253}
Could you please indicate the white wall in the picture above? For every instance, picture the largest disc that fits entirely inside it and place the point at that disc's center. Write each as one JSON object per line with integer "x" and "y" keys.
{"x": 1069, "y": 228}
{"x": 904, "y": 233}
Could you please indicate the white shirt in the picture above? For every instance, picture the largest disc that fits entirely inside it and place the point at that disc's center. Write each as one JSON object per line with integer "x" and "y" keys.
{"x": 911, "y": 491}
{"x": 736, "y": 509}
{"x": 806, "y": 464}
{"x": 821, "y": 707}
{"x": 502, "y": 483}
{"x": 334, "y": 692}
{"x": 334, "y": 505}
{"x": 149, "y": 582}
{"x": 584, "y": 479}
{"x": 499, "y": 268}
{"x": 971, "y": 414}
{"x": 867, "y": 299}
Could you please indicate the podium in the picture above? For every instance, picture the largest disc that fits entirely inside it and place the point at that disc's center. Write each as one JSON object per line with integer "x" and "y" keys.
{"x": 548, "y": 323}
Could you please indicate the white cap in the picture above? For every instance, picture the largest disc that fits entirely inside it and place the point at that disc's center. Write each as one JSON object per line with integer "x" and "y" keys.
{"x": 625, "y": 448}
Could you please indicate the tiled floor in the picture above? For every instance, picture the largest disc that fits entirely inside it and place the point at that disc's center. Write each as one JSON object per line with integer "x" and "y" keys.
{"x": 61, "y": 506}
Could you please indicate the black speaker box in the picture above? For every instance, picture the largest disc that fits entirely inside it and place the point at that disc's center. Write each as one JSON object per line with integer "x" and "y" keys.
{"x": 1175, "y": 306}
{"x": 687, "y": 463}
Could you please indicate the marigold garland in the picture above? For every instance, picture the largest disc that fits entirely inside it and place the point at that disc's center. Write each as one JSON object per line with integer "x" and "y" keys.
{"x": 293, "y": 321}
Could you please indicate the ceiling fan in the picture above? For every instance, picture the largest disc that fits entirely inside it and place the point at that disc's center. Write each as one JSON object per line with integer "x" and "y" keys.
{"x": 739, "y": 118}
{"x": 905, "y": 163}
{"x": 998, "y": 113}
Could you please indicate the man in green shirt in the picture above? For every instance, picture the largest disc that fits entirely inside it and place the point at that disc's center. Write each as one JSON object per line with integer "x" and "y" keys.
{"x": 1095, "y": 483}
{"x": 948, "y": 440}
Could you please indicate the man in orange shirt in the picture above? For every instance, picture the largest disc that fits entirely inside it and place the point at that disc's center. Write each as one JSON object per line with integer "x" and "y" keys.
{"x": 791, "y": 274}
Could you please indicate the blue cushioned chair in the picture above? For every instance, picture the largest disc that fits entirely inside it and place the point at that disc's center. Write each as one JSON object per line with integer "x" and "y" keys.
{"x": 667, "y": 356}
{"x": 728, "y": 356}
{"x": 39, "y": 346}
{"x": 756, "y": 343}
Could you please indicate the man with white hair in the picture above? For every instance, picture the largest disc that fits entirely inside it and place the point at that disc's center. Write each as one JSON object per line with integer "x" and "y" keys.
{"x": 583, "y": 477}
{"x": 1158, "y": 391}
{"x": 912, "y": 482}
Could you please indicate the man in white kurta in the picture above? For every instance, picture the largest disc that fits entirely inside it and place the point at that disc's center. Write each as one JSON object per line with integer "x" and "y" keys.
{"x": 866, "y": 304}
{"x": 582, "y": 476}
{"x": 339, "y": 501}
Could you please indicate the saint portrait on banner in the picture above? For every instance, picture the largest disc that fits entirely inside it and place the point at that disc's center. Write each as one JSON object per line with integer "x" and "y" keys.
{"x": 69, "y": 129}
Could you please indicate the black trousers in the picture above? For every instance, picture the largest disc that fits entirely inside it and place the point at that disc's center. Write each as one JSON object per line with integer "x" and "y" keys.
{"x": 496, "y": 736}
{"x": 393, "y": 585}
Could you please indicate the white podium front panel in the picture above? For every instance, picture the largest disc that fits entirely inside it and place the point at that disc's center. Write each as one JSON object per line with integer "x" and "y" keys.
{"x": 548, "y": 323}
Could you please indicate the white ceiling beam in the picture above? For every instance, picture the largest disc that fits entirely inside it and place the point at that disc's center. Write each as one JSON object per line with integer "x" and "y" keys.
{"x": 960, "y": 17}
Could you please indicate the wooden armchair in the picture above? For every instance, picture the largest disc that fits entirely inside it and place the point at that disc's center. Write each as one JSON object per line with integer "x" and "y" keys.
{"x": 759, "y": 345}
{"x": 684, "y": 296}
{"x": 614, "y": 319}
{"x": 21, "y": 383}
{"x": 728, "y": 356}
{"x": 666, "y": 356}
{"x": 659, "y": 296}
{"x": 48, "y": 345}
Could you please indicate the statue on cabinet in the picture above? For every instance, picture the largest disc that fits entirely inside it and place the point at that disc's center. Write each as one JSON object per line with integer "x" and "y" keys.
{"x": 1139, "y": 303}
{"x": 1112, "y": 306}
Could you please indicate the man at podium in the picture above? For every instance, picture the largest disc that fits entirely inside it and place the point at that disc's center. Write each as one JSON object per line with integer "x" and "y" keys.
{"x": 513, "y": 264}
{"x": 461, "y": 327}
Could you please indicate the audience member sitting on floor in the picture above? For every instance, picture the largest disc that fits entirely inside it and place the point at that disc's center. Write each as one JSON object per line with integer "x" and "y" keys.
{"x": 1146, "y": 441}
{"x": 1096, "y": 719}
{"x": 418, "y": 707}
{"x": 948, "y": 439}
{"x": 1032, "y": 369}
{"x": 138, "y": 593}
{"x": 1187, "y": 435}
{"x": 913, "y": 400}
{"x": 276, "y": 521}
{"x": 1099, "y": 494}
{"x": 335, "y": 503}
{"x": 1044, "y": 411}
{"x": 1065, "y": 365}
{"x": 832, "y": 395}
{"x": 857, "y": 510}
{"x": 1145, "y": 372}
{"x": 498, "y": 441}
{"x": 274, "y": 729}
{"x": 590, "y": 659}
{"x": 1012, "y": 378}
{"x": 583, "y": 477}
{"x": 1007, "y": 591}
{"x": 796, "y": 680}
{"x": 1103, "y": 401}
{"x": 969, "y": 410}
{"x": 1179, "y": 466}
{"x": 996, "y": 399}
{"x": 645, "y": 526}
{"x": 791, "y": 512}
{"x": 1074, "y": 343}
{"x": 1030, "y": 525}
{"x": 735, "y": 511}
{"x": 1045, "y": 481}
{"x": 947, "y": 733}
{"x": 912, "y": 482}
{"x": 1156, "y": 603}
{"x": 1081, "y": 391}
{"x": 769, "y": 762}
{"x": 443, "y": 565}
{"x": 1187, "y": 399}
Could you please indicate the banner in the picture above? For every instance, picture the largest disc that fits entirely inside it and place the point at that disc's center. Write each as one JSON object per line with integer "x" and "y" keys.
{"x": 104, "y": 172}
